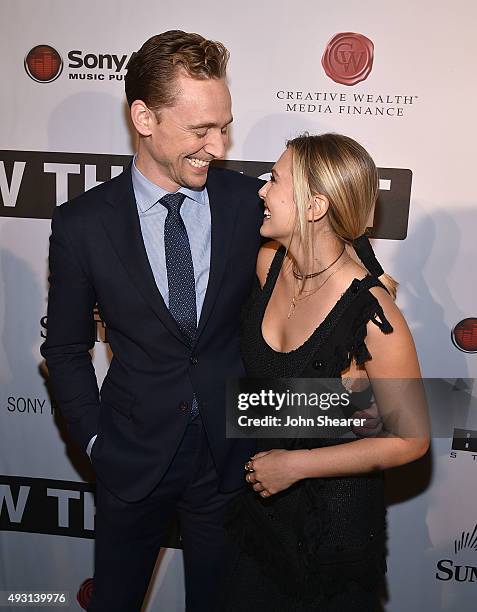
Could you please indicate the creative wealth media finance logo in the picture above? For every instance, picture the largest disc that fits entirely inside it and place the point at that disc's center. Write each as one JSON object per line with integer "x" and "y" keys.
{"x": 43, "y": 64}
{"x": 464, "y": 335}
{"x": 348, "y": 58}
{"x": 85, "y": 593}
{"x": 462, "y": 567}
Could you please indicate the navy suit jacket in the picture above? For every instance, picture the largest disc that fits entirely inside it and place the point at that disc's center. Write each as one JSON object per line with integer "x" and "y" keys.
{"x": 97, "y": 255}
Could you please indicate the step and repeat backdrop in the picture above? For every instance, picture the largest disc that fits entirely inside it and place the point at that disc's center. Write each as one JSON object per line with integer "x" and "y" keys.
{"x": 398, "y": 77}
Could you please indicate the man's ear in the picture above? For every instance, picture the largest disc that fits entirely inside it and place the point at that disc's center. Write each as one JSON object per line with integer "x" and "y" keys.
{"x": 318, "y": 207}
{"x": 142, "y": 117}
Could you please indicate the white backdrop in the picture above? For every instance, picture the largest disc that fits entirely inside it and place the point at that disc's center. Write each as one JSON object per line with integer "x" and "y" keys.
{"x": 423, "y": 70}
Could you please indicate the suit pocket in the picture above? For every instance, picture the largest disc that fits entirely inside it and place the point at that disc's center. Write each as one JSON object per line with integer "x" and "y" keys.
{"x": 119, "y": 399}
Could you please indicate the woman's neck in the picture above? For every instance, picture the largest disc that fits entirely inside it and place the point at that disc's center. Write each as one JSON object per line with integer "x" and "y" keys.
{"x": 326, "y": 249}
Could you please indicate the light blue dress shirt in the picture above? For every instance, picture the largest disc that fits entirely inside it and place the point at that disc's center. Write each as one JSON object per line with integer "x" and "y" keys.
{"x": 195, "y": 212}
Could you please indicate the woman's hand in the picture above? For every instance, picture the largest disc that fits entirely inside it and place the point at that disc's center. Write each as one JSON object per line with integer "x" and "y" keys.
{"x": 274, "y": 471}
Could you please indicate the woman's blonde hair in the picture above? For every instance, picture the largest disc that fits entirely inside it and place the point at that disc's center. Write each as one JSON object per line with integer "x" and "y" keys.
{"x": 341, "y": 169}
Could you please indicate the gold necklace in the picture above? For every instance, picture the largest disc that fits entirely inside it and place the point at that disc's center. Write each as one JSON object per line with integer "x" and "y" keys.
{"x": 300, "y": 276}
{"x": 295, "y": 297}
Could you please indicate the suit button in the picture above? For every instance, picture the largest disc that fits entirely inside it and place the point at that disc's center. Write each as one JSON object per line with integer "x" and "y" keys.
{"x": 317, "y": 364}
{"x": 183, "y": 406}
{"x": 194, "y": 360}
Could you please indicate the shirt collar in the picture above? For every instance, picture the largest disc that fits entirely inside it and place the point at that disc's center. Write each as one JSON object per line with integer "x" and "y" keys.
{"x": 148, "y": 193}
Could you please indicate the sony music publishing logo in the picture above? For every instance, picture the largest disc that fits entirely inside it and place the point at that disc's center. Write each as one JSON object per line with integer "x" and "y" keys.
{"x": 43, "y": 64}
{"x": 348, "y": 58}
{"x": 85, "y": 593}
{"x": 464, "y": 335}
{"x": 462, "y": 568}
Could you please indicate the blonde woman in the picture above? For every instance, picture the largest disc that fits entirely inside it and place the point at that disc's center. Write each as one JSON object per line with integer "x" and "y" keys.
{"x": 309, "y": 532}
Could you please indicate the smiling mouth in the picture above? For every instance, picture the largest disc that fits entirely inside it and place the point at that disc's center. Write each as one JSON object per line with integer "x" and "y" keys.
{"x": 197, "y": 163}
{"x": 267, "y": 214}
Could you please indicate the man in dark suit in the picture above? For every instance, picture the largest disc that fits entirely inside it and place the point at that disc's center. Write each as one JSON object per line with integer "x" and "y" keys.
{"x": 167, "y": 250}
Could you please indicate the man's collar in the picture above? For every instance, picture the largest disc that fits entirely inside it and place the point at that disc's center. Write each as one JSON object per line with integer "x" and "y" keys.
{"x": 148, "y": 193}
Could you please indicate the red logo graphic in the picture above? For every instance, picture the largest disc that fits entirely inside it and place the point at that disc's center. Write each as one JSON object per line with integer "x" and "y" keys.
{"x": 464, "y": 335}
{"x": 85, "y": 592}
{"x": 348, "y": 58}
{"x": 43, "y": 64}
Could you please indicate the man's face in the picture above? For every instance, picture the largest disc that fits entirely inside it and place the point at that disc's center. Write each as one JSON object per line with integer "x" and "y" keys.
{"x": 189, "y": 134}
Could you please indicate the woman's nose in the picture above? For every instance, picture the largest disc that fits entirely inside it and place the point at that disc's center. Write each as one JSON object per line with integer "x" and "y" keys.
{"x": 262, "y": 192}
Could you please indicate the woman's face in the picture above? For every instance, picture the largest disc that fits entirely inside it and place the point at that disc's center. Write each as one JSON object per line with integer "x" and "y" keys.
{"x": 277, "y": 194}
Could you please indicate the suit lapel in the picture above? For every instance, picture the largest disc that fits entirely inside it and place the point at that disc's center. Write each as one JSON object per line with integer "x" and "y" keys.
{"x": 223, "y": 210}
{"x": 121, "y": 223}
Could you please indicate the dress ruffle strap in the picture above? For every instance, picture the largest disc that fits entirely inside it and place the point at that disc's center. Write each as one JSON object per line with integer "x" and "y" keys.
{"x": 375, "y": 314}
{"x": 356, "y": 349}
{"x": 380, "y": 320}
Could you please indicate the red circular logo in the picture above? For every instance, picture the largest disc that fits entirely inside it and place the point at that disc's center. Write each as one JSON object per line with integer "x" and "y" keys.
{"x": 43, "y": 64}
{"x": 464, "y": 335}
{"x": 348, "y": 58}
{"x": 85, "y": 592}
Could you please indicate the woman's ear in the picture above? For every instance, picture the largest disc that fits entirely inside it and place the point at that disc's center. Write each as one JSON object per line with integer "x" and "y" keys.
{"x": 142, "y": 117}
{"x": 318, "y": 207}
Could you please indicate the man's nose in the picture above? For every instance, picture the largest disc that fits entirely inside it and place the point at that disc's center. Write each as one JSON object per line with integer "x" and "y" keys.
{"x": 216, "y": 144}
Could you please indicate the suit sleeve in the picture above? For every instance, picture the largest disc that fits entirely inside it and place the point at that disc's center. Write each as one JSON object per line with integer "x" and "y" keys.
{"x": 70, "y": 335}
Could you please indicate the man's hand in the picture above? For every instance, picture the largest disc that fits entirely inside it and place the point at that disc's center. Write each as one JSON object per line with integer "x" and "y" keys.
{"x": 373, "y": 425}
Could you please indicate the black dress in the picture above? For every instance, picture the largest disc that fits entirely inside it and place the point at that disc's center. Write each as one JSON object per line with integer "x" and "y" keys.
{"x": 319, "y": 545}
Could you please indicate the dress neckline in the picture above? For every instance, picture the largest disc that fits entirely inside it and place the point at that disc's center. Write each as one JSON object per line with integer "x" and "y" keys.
{"x": 267, "y": 291}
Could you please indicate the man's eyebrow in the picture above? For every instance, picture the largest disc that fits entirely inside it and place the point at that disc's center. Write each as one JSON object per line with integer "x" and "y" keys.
{"x": 207, "y": 125}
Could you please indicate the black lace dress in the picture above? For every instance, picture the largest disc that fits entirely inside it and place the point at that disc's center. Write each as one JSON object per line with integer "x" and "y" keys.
{"x": 319, "y": 545}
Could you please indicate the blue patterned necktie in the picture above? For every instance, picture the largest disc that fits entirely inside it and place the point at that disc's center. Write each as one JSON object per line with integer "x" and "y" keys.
{"x": 180, "y": 272}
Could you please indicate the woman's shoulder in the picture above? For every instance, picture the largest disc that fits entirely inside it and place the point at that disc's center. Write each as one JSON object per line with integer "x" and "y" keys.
{"x": 265, "y": 257}
{"x": 387, "y": 305}
{"x": 371, "y": 290}
{"x": 395, "y": 353}
{"x": 369, "y": 303}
